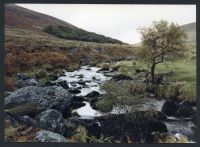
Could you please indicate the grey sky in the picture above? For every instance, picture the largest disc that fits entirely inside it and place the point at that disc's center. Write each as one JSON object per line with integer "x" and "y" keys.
{"x": 116, "y": 21}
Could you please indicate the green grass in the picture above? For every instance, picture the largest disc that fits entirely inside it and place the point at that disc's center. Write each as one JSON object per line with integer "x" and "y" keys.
{"x": 183, "y": 71}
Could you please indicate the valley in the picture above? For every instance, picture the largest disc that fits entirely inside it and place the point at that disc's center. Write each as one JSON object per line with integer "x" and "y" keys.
{"x": 65, "y": 84}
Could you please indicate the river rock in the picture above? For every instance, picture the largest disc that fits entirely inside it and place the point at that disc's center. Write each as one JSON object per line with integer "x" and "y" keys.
{"x": 74, "y": 91}
{"x": 28, "y": 109}
{"x": 186, "y": 109}
{"x": 170, "y": 108}
{"x": 63, "y": 84}
{"x": 84, "y": 62}
{"x": 193, "y": 118}
{"x": 81, "y": 82}
{"x": 154, "y": 126}
{"x": 94, "y": 129}
{"x": 41, "y": 74}
{"x": 47, "y": 136}
{"x": 53, "y": 77}
{"x": 183, "y": 109}
{"x": 138, "y": 70}
{"x": 47, "y": 97}
{"x": 78, "y": 98}
{"x": 28, "y": 82}
{"x": 67, "y": 112}
{"x": 93, "y": 94}
{"x": 21, "y": 76}
{"x": 137, "y": 128}
{"x": 50, "y": 83}
{"x": 51, "y": 120}
{"x": 7, "y": 93}
{"x": 73, "y": 84}
{"x": 150, "y": 114}
{"x": 76, "y": 105}
{"x": 80, "y": 76}
{"x": 121, "y": 77}
{"x": 62, "y": 74}
{"x": 93, "y": 102}
{"x": 106, "y": 69}
{"x": 27, "y": 120}
{"x": 88, "y": 68}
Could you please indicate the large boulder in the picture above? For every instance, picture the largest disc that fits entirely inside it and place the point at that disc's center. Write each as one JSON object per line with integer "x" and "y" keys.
{"x": 26, "y": 82}
{"x": 150, "y": 114}
{"x": 94, "y": 129}
{"x": 47, "y": 136}
{"x": 183, "y": 109}
{"x": 21, "y": 76}
{"x": 28, "y": 109}
{"x": 53, "y": 76}
{"x": 155, "y": 126}
{"x": 51, "y": 120}
{"x": 136, "y": 127}
{"x": 186, "y": 109}
{"x": 27, "y": 120}
{"x": 151, "y": 127}
{"x": 48, "y": 97}
{"x": 170, "y": 108}
{"x": 67, "y": 112}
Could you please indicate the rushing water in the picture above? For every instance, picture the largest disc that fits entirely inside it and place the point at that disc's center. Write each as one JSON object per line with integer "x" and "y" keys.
{"x": 88, "y": 74}
{"x": 94, "y": 80}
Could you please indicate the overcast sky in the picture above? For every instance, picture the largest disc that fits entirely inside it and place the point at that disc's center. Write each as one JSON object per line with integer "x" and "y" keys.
{"x": 116, "y": 21}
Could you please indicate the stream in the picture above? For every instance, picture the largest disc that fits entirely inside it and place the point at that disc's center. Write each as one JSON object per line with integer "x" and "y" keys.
{"x": 94, "y": 79}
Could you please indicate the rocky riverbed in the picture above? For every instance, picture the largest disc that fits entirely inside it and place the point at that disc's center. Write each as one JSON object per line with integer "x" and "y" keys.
{"x": 70, "y": 98}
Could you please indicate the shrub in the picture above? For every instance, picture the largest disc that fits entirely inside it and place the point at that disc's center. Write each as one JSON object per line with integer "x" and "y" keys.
{"x": 115, "y": 67}
{"x": 93, "y": 63}
{"x": 81, "y": 135}
{"x": 122, "y": 95}
{"x": 48, "y": 67}
{"x": 70, "y": 129}
{"x": 104, "y": 105}
{"x": 179, "y": 91}
{"x": 10, "y": 64}
{"x": 105, "y": 65}
{"x": 40, "y": 74}
{"x": 73, "y": 67}
{"x": 9, "y": 84}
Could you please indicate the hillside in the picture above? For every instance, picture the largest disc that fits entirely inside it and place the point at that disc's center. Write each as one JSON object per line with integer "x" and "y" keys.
{"x": 29, "y": 45}
{"x": 19, "y": 17}
{"x": 190, "y": 30}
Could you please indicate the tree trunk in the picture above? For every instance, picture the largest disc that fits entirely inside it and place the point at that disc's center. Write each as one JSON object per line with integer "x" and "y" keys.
{"x": 153, "y": 73}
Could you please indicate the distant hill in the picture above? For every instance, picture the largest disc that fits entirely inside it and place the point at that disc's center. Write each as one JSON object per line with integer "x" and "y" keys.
{"x": 19, "y": 17}
{"x": 190, "y": 30}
